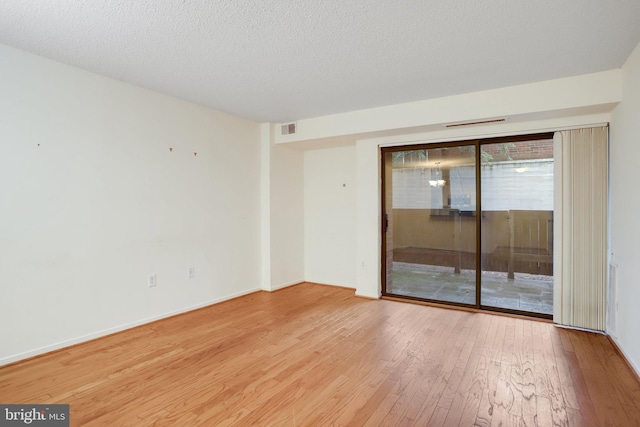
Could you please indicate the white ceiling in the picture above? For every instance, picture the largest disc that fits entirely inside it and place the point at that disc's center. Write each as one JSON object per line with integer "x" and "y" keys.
{"x": 275, "y": 60}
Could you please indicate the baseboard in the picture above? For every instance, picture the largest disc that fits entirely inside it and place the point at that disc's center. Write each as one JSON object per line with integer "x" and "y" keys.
{"x": 330, "y": 284}
{"x": 625, "y": 356}
{"x": 110, "y": 331}
{"x": 284, "y": 285}
{"x": 578, "y": 328}
{"x": 367, "y": 295}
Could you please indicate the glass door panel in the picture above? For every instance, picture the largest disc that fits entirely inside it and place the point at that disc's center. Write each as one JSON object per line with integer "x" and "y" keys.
{"x": 429, "y": 201}
{"x": 517, "y": 226}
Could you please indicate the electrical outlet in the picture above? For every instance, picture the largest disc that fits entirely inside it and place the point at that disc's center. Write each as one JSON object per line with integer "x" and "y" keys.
{"x": 152, "y": 280}
{"x": 192, "y": 272}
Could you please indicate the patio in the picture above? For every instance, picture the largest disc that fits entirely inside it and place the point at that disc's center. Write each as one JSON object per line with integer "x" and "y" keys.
{"x": 527, "y": 292}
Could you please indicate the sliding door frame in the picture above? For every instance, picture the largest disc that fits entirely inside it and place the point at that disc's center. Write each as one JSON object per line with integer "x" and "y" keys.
{"x": 477, "y": 144}
{"x": 428, "y": 146}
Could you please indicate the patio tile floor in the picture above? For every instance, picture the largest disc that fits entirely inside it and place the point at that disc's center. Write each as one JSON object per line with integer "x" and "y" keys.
{"x": 526, "y": 292}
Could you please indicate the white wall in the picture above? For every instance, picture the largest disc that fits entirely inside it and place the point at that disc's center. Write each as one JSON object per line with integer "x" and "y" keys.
{"x": 625, "y": 206}
{"x": 570, "y": 96}
{"x": 92, "y": 201}
{"x": 537, "y": 107}
{"x": 286, "y": 216}
{"x": 330, "y": 216}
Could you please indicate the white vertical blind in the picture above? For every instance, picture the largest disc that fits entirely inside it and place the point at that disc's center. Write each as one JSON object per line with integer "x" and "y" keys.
{"x": 580, "y": 244}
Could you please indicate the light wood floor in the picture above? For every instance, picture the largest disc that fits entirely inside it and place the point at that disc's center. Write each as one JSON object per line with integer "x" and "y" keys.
{"x": 316, "y": 355}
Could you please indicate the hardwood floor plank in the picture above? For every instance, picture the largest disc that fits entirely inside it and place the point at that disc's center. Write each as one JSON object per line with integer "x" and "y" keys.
{"x": 627, "y": 387}
{"x": 445, "y": 369}
{"x": 543, "y": 416}
{"x": 313, "y": 355}
{"x": 596, "y": 382}
{"x": 564, "y": 372}
{"x": 553, "y": 384}
{"x": 382, "y": 411}
{"x": 464, "y": 408}
{"x": 463, "y": 361}
{"x": 374, "y": 403}
{"x": 438, "y": 418}
{"x": 488, "y": 376}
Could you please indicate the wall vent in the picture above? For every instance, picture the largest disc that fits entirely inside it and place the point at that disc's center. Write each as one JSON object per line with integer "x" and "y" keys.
{"x": 480, "y": 122}
{"x": 288, "y": 129}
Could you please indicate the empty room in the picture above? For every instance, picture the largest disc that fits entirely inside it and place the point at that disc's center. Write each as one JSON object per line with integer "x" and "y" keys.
{"x": 319, "y": 213}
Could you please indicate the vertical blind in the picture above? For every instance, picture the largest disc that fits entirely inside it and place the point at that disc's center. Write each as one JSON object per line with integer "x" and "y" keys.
{"x": 580, "y": 246}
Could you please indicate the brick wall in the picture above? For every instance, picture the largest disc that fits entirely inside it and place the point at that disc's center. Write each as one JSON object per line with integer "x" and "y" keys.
{"x": 523, "y": 150}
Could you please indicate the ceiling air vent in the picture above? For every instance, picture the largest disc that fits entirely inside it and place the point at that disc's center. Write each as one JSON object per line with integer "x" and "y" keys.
{"x": 480, "y": 122}
{"x": 288, "y": 129}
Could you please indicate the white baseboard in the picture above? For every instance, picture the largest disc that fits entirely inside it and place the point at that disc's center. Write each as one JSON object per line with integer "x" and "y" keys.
{"x": 613, "y": 338}
{"x": 109, "y": 331}
{"x": 284, "y": 285}
{"x": 577, "y": 328}
{"x": 367, "y": 295}
{"x": 331, "y": 284}
{"x": 633, "y": 365}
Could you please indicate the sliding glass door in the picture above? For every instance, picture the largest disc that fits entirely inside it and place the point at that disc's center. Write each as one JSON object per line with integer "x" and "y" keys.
{"x": 430, "y": 199}
{"x": 517, "y": 226}
{"x": 437, "y": 247}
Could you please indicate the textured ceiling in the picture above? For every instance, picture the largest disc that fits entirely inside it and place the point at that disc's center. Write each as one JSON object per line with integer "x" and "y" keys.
{"x": 276, "y": 60}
